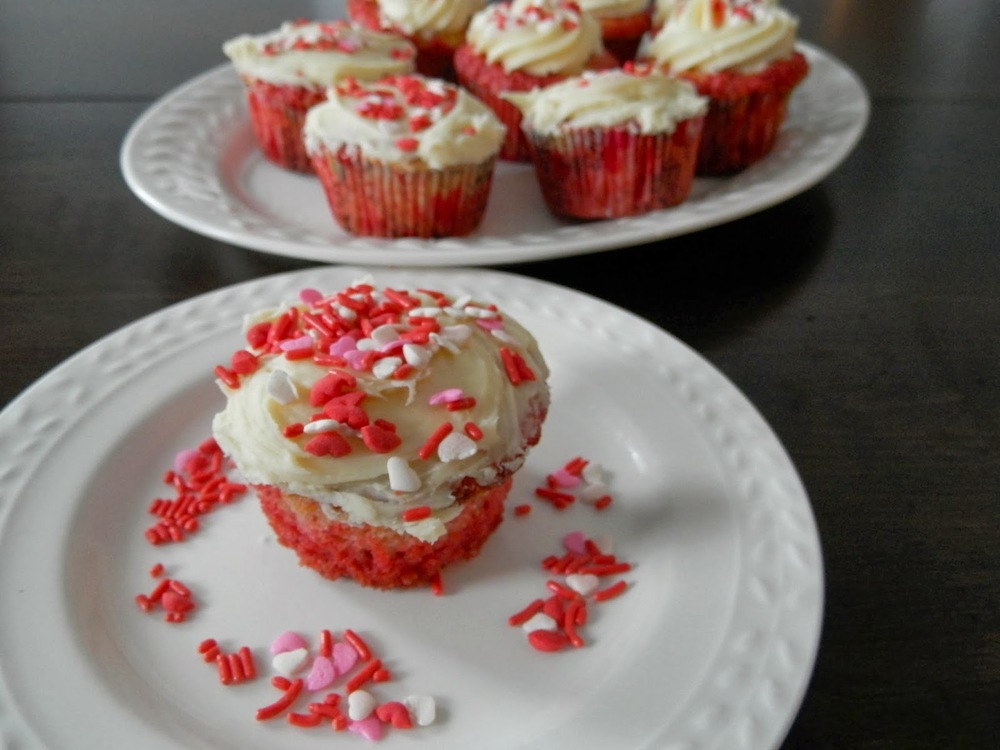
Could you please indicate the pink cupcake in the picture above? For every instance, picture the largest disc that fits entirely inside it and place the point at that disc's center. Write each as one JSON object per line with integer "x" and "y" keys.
{"x": 287, "y": 71}
{"x": 613, "y": 143}
{"x": 406, "y": 156}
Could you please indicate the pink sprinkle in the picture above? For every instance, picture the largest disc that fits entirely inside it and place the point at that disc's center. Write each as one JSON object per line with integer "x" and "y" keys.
{"x": 310, "y": 296}
{"x": 575, "y": 542}
{"x": 446, "y": 396}
{"x": 322, "y": 674}
{"x": 182, "y": 459}
{"x": 392, "y": 346}
{"x": 287, "y": 641}
{"x": 354, "y": 358}
{"x": 344, "y": 657}
{"x": 343, "y": 345}
{"x": 370, "y": 728}
{"x": 291, "y": 345}
{"x": 563, "y": 478}
{"x": 490, "y": 324}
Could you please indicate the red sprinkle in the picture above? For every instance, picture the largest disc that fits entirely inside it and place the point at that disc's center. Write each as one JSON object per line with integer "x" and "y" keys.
{"x": 519, "y": 618}
{"x": 547, "y": 640}
{"x": 285, "y": 701}
{"x": 364, "y": 653}
{"x": 428, "y": 448}
{"x": 522, "y": 510}
{"x": 418, "y": 513}
{"x": 363, "y": 675}
{"x": 615, "y": 589}
{"x": 473, "y": 431}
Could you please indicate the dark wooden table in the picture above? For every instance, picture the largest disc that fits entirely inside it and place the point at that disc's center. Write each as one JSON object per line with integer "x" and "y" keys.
{"x": 861, "y": 317}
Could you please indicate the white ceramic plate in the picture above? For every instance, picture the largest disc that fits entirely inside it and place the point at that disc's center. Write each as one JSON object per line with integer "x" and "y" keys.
{"x": 712, "y": 646}
{"x": 192, "y": 158}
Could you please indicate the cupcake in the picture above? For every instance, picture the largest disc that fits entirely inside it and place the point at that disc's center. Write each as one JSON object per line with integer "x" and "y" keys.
{"x": 436, "y": 27}
{"x": 381, "y": 427}
{"x": 741, "y": 55}
{"x": 613, "y": 143}
{"x": 406, "y": 156}
{"x": 287, "y": 71}
{"x": 623, "y": 24}
{"x": 522, "y": 45}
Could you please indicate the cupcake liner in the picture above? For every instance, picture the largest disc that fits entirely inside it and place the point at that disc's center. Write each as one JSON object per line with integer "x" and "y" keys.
{"x": 599, "y": 173}
{"x": 745, "y": 113}
{"x": 277, "y": 113}
{"x": 369, "y": 197}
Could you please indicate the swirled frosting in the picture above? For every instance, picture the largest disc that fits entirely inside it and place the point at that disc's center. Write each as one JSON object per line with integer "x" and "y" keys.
{"x": 649, "y": 102}
{"x": 715, "y": 35}
{"x": 307, "y": 53}
{"x": 338, "y": 397}
{"x": 613, "y": 8}
{"x": 428, "y": 17}
{"x": 405, "y": 118}
{"x": 539, "y": 37}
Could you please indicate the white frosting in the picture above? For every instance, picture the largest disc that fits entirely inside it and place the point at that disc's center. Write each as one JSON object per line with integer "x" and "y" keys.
{"x": 715, "y": 35}
{"x": 406, "y": 119}
{"x": 650, "y": 102}
{"x": 539, "y": 37}
{"x": 429, "y": 17}
{"x": 462, "y": 355}
{"x": 614, "y": 8}
{"x": 319, "y": 54}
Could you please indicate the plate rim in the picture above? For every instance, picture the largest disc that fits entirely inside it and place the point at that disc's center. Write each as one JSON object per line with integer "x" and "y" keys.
{"x": 478, "y": 250}
{"x": 24, "y": 401}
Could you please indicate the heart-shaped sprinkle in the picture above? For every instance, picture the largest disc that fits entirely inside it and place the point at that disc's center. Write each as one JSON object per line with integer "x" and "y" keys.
{"x": 402, "y": 477}
{"x": 394, "y": 713}
{"x": 575, "y": 542}
{"x": 370, "y": 728}
{"x": 344, "y": 657}
{"x": 456, "y": 446}
{"x": 539, "y": 621}
{"x": 422, "y": 708}
{"x": 287, "y": 641}
{"x": 322, "y": 674}
{"x": 360, "y": 705}
{"x": 288, "y": 663}
{"x": 582, "y": 583}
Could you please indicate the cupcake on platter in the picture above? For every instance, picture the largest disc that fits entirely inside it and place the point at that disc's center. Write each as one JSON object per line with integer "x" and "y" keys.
{"x": 623, "y": 24}
{"x": 741, "y": 55}
{"x": 520, "y": 45}
{"x": 381, "y": 427}
{"x": 405, "y": 156}
{"x": 436, "y": 27}
{"x": 613, "y": 143}
{"x": 288, "y": 70}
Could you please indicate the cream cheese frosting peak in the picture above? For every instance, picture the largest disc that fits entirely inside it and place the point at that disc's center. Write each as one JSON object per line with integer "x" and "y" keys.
{"x": 428, "y": 17}
{"x": 715, "y": 35}
{"x": 318, "y": 54}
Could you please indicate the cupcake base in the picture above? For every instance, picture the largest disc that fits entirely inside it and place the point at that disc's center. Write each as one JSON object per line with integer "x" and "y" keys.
{"x": 372, "y": 198}
{"x": 374, "y": 556}
{"x": 277, "y": 113}
{"x": 598, "y": 173}
{"x": 488, "y": 81}
{"x": 745, "y": 113}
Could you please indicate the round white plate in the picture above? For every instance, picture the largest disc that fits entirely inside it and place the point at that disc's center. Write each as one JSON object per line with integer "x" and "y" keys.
{"x": 712, "y": 645}
{"x": 193, "y": 159}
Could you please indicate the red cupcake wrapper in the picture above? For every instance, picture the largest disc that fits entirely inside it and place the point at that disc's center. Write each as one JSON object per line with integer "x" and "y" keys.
{"x": 599, "y": 173}
{"x": 745, "y": 113}
{"x": 372, "y": 198}
{"x": 487, "y": 81}
{"x": 277, "y": 113}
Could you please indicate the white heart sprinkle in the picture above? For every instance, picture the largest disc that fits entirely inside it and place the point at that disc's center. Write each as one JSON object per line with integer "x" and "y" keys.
{"x": 281, "y": 387}
{"x": 593, "y": 473}
{"x": 456, "y": 446}
{"x": 458, "y": 333}
{"x": 593, "y": 491}
{"x": 384, "y": 334}
{"x": 422, "y": 708}
{"x": 416, "y": 355}
{"x": 360, "y": 704}
{"x": 539, "y": 621}
{"x": 288, "y": 663}
{"x": 385, "y": 367}
{"x": 582, "y": 583}
{"x": 402, "y": 477}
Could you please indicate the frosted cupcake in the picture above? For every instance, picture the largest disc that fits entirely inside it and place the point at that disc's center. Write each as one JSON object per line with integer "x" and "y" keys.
{"x": 406, "y": 156}
{"x": 741, "y": 55}
{"x": 522, "y": 45}
{"x": 436, "y": 27}
{"x": 381, "y": 427}
{"x": 613, "y": 143}
{"x": 288, "y": 70}
{"x": 623, "y": 23}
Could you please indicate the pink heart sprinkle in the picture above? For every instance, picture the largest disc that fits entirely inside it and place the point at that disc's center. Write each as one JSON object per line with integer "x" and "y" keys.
{"x": 564, "y": 479}
{"x": 310, "y": 296}
{"x": 322, "y": 674}
{"x": 575, "y": 542}
{"x": 287, "y": 641}
{"x": 446, "y": 396}
{"x": 182, "y": 459}
{"x": 344, "y": 657}
{"x": 369, "y": 728}
{"x": 341, "y": 346}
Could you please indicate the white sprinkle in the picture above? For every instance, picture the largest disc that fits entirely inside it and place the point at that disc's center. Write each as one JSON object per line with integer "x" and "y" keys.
{"x": 461, "y": 301}
{"x": 422, "y": 708}
{"x": 321, "y": 425}
{"x": 385, "y": 367}
{"x": 360, "y": 705}
{"x": 426, "y": 312}
{"x": 582, "y": 583}
{"x": 456, "y": 446}
{"x": 593, "y": 472}
{"x": 385, "y": 334}
{"x": 458, "y": 333}
{"x": 402, "y": 478}
{"x": 288, "y": 663}
{"x": 441, "y": 342}
{"x": 592, "y": 492}
{"x": 281, "y": 387}
{"x": 502, "y": 335}
{"x": 478, "y": 312}
{"x": 366, "y": 345}
{"x": 416, "y": 355}
{"x": 539, "y": 621}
